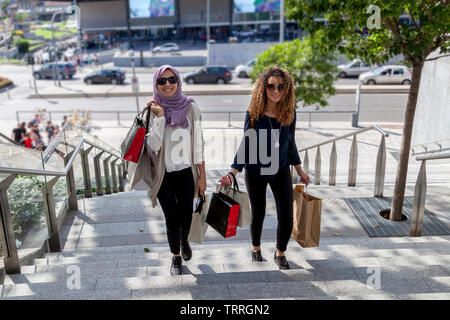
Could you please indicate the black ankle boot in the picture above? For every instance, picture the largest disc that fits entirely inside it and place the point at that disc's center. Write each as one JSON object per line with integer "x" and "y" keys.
{"x": 256, "y": 256}
{"x": 175, "y": 269}
{"x": 281, "y": 262}
{"x": 186, "y": 251}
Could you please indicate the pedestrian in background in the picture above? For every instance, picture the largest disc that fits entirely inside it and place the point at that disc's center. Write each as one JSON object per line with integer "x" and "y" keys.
{"x": 272, "y": 108}
{"x": 50, "y": 129}
{"x": 178, "y": 179}
{"x": 19, "y": 133}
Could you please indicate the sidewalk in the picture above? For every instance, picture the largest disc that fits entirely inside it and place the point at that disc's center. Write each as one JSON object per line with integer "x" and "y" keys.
{"x": 92, "y": 91}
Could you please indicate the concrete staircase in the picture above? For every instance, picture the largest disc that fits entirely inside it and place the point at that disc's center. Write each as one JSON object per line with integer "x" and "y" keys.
{"x": 105, "y": 245}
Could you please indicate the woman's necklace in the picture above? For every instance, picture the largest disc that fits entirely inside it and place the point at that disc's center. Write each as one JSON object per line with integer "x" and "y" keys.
{"x": 277, "y": 144}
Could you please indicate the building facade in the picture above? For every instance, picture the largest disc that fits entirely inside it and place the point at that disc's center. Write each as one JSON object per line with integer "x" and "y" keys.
{"x": 111, "y": 20}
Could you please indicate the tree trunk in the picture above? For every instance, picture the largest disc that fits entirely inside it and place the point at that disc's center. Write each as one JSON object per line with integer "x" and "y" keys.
{"x": 402, "y": 168}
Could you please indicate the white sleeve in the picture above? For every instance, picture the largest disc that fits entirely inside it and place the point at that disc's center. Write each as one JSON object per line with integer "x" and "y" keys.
{"x": 156, "y": 134}
{"x": 199, "y": 143}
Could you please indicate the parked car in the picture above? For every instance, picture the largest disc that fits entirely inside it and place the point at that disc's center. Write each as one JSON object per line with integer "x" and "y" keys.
{"x": 63, "y": 71}
{"x": 244, "y": 70}
{"x": 353, "y": 68}
{"x": 210, "y": 74}
{"x": 390, "y": 74}
{"x": 113, "y": 76}
{"x": 166, "y": 47}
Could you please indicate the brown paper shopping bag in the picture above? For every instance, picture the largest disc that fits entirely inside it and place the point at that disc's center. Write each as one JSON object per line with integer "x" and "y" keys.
{"x": 307, "y": 215}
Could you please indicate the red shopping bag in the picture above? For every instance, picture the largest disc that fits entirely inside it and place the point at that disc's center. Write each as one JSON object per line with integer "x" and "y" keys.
{"x": 132, "y": 144}
{"x": 135, "y": 147}
{"x": 223, "y": 214}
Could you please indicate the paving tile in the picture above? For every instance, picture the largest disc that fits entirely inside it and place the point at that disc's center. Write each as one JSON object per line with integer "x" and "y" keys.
{"x": 53, "y": 289}
{"x": 401, "y": 272}
{"x": 312, "y": 274}
{"x": 344, "y": 288}
{"x": 224, "y": 278}
{"x": 138, "y": 283}
{"x": 255, "y": 290}
{"x": 439, "y": 284}
{"x": 425, "y": 296}
{"x": 211, "y": 292}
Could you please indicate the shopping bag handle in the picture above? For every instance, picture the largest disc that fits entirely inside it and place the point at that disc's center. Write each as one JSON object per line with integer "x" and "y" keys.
{"x": 235, "y": 183}
{"x": 198, "y": 205}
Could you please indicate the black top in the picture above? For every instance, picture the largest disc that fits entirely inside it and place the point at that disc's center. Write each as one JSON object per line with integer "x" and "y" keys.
{"x": 253, "y": 161}
{"x": 18, "y": 133}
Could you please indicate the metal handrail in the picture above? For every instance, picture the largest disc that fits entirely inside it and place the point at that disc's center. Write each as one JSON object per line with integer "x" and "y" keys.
{"x": 372, "y": 127}
{"x": 437, "y": 142}
{"x": 445, "y": 155}
{"x": 420, "y": 192}
{"x": 353, "y": 160}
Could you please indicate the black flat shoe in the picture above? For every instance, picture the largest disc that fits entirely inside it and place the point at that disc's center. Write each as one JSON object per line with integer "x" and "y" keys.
{"x": 256, "y": 256}
{"x": 186, "y": 251}
{"x": 281, "y": 262}
{"x": 175, "y": 269}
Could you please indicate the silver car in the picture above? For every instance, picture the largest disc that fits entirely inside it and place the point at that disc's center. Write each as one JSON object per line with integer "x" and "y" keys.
{"x": 353, "y": 68}
{"x": 390, "y": 74}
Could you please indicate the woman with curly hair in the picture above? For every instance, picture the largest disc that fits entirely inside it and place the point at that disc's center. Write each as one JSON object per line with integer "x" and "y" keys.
{"x": 272, "y": 109}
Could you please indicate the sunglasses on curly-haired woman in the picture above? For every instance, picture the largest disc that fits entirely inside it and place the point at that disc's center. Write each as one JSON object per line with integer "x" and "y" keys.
{"x": 272, "y": 87}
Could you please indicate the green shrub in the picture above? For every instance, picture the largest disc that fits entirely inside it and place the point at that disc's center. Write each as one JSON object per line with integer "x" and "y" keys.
{"x": 22, "y": 45}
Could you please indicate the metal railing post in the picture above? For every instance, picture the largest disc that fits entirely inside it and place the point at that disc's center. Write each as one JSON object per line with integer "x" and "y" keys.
{"x": 333, "y": 164}
{"x": 380, "y": 169}
{"x": 10, "y": 255}
{"x": 317, "y": 167}
{"x": 120, "y": 168}
{"x": 353, "y": 163}
{"x": 420, "y": 192}
{"x": 86, "y": 173}
{"x": 50, "y": 215}
{"x": 70, "y": 179}
{"x": 98, "y": 174}
{"x": 306, "y": 162}
{"x": 114, "y": 176}
{"x": 107, "y": 175}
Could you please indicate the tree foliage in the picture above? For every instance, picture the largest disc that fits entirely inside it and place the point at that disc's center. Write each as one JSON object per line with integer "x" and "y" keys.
{"x": 22, "y": 45}
{"x": 313, "y": 71}
{"x": 429, "y": 30}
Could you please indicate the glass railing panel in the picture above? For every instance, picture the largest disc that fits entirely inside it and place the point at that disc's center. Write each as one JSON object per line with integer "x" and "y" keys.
{"x": 14, "y": 156}
{"x": 60, "y": 194}
{"x": 26, "y": 204}
{"x": 78, "y": 174}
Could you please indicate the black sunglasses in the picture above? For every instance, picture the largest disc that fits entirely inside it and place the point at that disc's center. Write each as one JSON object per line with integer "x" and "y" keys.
{"x": 162, "y": 81}
{"x": 272, "y": 87}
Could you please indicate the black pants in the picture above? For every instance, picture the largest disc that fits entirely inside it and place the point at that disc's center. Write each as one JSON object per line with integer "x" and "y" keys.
{"x": 176, "y": 197}
{"x": 281, "y": 185}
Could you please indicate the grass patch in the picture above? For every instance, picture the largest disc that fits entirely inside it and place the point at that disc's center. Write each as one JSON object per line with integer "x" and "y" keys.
{"x": 12, "y": 61}
{"x": 47, "y": 34}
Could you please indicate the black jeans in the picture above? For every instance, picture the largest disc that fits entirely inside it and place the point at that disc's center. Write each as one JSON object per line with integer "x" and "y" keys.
{"x": 281, "y": 185}
{"x": 176, "y": 196}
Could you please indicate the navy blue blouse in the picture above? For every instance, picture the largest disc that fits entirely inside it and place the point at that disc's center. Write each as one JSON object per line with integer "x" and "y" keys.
{"x": 287, "y": 155}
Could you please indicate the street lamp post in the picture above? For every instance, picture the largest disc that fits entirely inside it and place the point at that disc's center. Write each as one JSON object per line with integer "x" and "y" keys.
{"x": 207, "y": 30}
{"x": 281, "y": 21}
{"x": 355, "y": 115}
{"x": 134, "y": 81}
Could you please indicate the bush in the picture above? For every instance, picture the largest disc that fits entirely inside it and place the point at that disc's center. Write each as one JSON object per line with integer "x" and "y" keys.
{"x": 18, "y": 33}
{"x": 22, "y": 45}
{"x": 4, "y": 82}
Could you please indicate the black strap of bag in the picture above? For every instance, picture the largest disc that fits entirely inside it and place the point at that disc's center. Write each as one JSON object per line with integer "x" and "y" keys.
{"x": 200, "y": 202}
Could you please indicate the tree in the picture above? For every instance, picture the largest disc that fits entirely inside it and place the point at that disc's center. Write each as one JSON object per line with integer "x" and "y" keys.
{"x": 313, "y": 71}
{"x": 428, "y": 31}
{"x": 22, "y": 45}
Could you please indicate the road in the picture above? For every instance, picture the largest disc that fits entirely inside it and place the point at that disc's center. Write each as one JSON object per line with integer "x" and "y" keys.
{"x": 374, "y": 108}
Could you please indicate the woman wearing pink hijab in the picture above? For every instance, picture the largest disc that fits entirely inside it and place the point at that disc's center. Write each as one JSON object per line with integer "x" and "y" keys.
{"x": 176, "y": 137}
